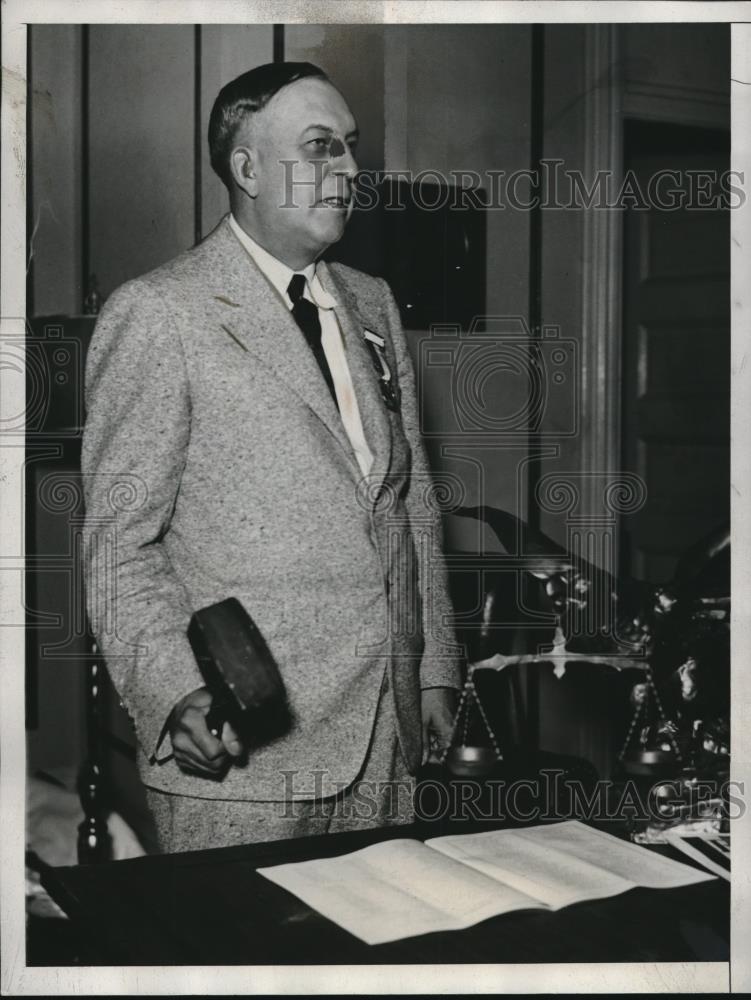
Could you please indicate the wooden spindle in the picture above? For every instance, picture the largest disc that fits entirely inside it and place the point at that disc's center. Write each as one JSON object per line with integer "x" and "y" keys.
{"x": 94, "y": 841}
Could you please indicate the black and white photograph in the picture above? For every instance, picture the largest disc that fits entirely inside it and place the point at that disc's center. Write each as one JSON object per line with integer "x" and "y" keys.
{"x": 374, "y": 485}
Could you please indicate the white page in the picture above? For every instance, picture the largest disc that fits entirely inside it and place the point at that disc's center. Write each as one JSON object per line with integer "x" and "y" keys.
{"x": 644, "y": 867}
{"x": 554, "y": 878}
{"x": 396, "y": 889}
{"x": 566, "y": 862}
{"x": 399, "y": 888}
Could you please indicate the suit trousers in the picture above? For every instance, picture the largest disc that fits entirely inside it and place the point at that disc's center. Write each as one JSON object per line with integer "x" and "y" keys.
{"x": 381, "y": 795}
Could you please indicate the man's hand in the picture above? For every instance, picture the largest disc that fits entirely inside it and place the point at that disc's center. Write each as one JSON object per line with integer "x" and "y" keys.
{"x": 196, "y": 750}
{"x": 438, "y": 713}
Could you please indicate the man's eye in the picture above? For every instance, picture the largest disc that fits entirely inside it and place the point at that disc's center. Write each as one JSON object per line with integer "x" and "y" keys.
{"x": 321, "y": 143}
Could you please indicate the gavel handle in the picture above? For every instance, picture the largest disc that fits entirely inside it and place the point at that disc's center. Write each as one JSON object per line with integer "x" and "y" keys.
{"x": 216, "y": 716}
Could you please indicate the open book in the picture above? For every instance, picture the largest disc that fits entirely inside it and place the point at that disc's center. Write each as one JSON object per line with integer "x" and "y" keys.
{"x": 399, "y": 888}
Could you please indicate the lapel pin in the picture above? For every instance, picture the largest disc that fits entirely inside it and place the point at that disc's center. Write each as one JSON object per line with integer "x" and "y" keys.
{"x": 374, "y": 338}
{"x": 376, "y": 346}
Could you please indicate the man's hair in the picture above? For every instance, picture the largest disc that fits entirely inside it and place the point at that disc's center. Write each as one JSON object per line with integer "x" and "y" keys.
{"x": 243, "y": 96}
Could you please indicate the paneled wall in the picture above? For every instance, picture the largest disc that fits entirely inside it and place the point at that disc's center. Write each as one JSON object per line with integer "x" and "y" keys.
{"x": 120, "y": 169}
{"x": 467, "y": 108}
{"x": 141, "y": 171}
{"x": 56, "y": 56}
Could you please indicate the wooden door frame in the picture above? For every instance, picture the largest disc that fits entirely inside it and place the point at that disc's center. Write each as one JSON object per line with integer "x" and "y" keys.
{"x": 602, "y": 274}
{"x": 611, "y": 96}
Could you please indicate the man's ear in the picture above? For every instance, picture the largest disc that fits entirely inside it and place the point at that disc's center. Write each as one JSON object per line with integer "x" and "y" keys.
{"x": 242, "y": 165}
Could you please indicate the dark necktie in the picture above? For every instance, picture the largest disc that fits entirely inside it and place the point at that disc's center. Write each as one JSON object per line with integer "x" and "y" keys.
{"x": 306, "y": 317}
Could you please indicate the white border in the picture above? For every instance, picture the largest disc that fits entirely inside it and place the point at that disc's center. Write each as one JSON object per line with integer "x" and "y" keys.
{"x": 740, "y": 477}
{"x": 311, "y": 980}
{"x": 370, "y": 11}
{"x": 658, "y": 977}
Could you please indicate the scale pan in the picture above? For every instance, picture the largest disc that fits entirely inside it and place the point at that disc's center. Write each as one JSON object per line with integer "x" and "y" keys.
{"x": 649, "y": 762}
{"x": 471, "y": 762}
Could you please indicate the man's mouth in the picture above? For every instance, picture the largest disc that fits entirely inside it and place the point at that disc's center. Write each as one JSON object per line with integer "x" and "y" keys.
{"x": 336, "y": 202}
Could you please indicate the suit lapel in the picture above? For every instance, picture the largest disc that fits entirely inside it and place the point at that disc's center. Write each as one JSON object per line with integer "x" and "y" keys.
{"x": 252, "y": 312}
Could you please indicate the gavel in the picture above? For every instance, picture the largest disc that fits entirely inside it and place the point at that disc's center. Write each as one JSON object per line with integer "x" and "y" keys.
{"x": 239, "y": 672}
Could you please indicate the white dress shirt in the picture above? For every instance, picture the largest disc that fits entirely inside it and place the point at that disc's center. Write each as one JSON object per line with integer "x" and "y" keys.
{"x": 331, "y": 336}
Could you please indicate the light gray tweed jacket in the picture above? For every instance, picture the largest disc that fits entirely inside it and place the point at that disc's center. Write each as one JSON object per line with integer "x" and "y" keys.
{"x": 215, "y": 464}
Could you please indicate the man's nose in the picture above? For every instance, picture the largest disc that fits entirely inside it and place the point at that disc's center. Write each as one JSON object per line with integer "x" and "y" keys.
{"x": 345, "y": 163}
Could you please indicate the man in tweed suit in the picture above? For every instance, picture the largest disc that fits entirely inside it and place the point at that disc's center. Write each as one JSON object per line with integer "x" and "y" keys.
{"x": 225, "y": 455}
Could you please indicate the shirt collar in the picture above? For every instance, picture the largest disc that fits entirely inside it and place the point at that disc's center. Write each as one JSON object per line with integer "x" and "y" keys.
{"x": 279, "y": 274}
